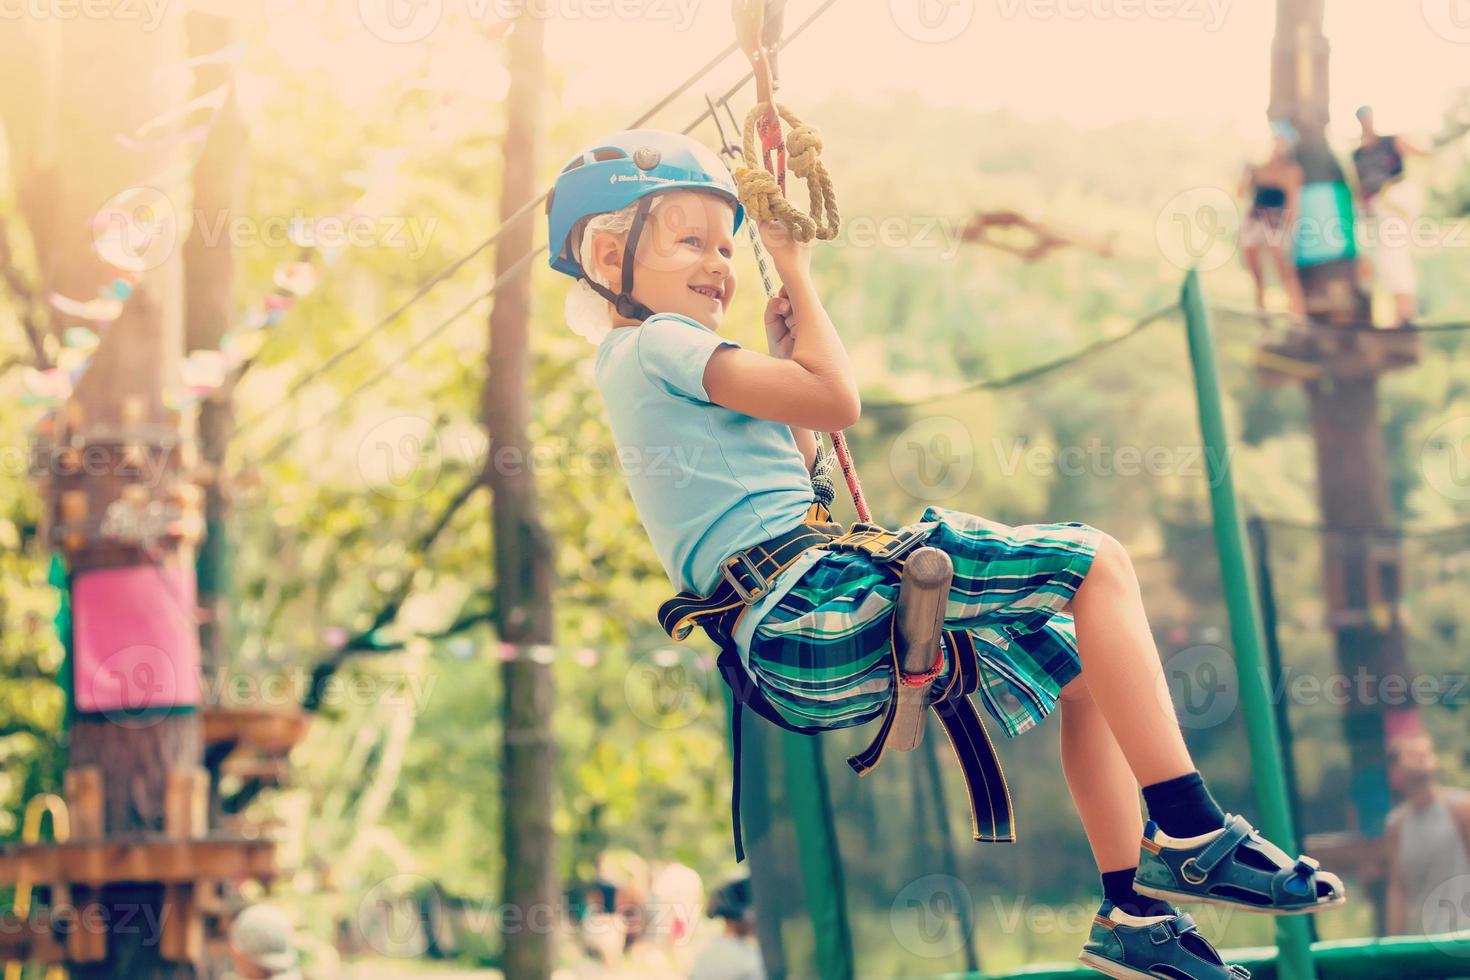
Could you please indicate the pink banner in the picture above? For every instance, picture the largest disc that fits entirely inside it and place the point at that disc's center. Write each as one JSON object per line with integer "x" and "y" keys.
{"x": 135, "y": 639}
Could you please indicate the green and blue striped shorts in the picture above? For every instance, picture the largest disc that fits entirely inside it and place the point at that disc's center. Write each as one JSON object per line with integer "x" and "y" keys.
{"x": 823, "y": 655}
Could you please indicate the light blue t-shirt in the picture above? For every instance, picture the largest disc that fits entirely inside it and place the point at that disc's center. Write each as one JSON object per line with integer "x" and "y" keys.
{"x": 707, "y": 480}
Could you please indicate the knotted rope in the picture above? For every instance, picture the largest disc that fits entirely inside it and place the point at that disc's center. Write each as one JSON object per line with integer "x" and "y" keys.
{"x": 760, "y": 190}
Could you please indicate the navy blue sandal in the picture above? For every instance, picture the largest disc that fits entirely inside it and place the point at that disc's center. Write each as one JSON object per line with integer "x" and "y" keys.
{"x": 1236, "y": 867}
{"x": 1163, "y": 949}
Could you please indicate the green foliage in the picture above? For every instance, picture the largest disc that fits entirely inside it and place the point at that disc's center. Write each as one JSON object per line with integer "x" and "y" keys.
{"x": 324, "y": 531}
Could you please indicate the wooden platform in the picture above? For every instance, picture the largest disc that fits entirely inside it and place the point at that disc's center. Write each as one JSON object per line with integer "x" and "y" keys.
{"x": 253, "y": 743}
{"x": 144, "y": 858}
{"x": 272, "y": 731}
{"x": 185, "y": 858}
{"x": 29, "y": 940}
{"x": 1311, "y": 353}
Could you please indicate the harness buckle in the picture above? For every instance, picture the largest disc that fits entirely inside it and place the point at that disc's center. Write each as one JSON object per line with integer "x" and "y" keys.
{"x": 901, "y": 544}
{"x": 880, "y": 545}
{"x": 729, "y": 569}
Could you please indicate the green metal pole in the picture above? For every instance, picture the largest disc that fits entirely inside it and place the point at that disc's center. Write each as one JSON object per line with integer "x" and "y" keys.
{"x": 1295, "y": 961}
{"x": 1400, "y": 957}
{"x": 819, "y": 855}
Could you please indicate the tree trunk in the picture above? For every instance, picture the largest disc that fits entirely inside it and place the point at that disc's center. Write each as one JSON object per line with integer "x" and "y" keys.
{"x": 1361, "y": 574}
{"x": 91, "y": 80}
{"x": 209, "y": 312}
{"x": 523, "y": 555}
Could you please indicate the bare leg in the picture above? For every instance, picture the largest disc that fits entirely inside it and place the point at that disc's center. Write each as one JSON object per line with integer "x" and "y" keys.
{"x": 1122, "y": 668}
{"x": 1286, "y": 271}
{"x": 1252, "y": 256}
{"x": 1407, "y": 307}
{"x": 1101, "y": 784}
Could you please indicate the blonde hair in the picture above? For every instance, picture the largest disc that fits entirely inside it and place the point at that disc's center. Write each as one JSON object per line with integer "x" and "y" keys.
{"x": 588, "y": 313}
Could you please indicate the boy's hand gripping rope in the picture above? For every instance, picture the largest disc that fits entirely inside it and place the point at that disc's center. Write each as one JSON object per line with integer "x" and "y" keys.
{"x": 761, "y": 185}
{"x": 822, "y": 485}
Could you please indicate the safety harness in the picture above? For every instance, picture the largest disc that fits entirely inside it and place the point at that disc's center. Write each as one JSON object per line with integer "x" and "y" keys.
{"x": 748, "y": 575}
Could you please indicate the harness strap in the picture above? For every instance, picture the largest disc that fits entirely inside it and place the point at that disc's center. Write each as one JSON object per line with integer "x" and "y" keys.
{"x": 752, "y": 572}
{"x": 745, "y": 577}
{"x": 991, "y": 815}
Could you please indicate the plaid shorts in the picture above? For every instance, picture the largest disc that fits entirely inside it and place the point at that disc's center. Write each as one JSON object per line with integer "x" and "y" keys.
{"x": 822, "y": 654}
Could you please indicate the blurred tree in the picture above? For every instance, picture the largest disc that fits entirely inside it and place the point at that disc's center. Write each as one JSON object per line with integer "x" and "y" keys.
{"x": 524, "y": 566}
{"x": 91, "y": 79}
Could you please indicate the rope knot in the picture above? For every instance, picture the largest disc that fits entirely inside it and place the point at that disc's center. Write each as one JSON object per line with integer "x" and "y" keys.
{"x": 802, "y": 147}
{"x": 760, "y": 192}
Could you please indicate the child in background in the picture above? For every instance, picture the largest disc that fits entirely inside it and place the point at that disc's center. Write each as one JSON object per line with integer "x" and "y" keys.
{"x": 734, "y": 955}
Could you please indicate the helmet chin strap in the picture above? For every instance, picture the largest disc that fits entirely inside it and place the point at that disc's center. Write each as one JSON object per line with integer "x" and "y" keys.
{"x": 624, "y": 302}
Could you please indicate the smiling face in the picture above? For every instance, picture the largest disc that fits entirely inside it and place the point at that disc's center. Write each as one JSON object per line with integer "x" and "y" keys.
{"x": 685, "y": 258}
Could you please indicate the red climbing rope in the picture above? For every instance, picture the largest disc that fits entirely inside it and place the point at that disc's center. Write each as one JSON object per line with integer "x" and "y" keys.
{"x": 756, "y": 35}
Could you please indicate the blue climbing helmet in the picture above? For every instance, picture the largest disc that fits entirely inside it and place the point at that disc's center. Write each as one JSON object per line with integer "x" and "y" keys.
{"x": 617, "y": 171}
{"x": 1285, "y": 130}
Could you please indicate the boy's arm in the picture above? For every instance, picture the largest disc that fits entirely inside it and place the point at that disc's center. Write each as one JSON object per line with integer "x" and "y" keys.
{"x": 817, "y": 347}
{"x": 806, "y": 441}
{"x": 780, "y": 339}
{"x": 811, "y": 385}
